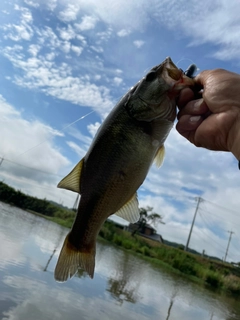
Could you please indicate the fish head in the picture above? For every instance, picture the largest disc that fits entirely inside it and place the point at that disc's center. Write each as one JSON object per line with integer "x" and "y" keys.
{"x": 156, "y": 94}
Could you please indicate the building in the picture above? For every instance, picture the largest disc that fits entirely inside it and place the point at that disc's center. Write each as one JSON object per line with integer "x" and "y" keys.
{"x": 145, "y": 230}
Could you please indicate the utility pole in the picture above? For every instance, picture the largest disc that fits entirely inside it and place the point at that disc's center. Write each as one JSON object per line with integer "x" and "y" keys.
{"x": 199, "y": 199}
{"x": 1, "y": 161}
{"x": 229, "y": 240}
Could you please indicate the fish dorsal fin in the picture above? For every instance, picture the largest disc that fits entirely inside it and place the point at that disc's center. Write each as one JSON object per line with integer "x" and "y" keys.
{"x": 130, "y": 210}
{"x": 159, "y": 157}
{"x": 72, "y": 180}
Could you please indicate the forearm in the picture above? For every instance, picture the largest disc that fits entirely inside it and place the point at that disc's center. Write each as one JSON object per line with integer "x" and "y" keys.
{"x": 235, "y": 132}
{"x": 234, "y": 138}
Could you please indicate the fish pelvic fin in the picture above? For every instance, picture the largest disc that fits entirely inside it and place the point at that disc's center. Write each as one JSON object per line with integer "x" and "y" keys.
{"x": 71, "y": 259}
{"x": 130, "y": 210}
{"x": 159, "y": 157}
{"x": 72, "y": 180}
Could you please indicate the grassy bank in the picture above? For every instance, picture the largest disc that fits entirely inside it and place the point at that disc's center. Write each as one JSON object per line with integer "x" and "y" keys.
{"x": 221, "y": 276}
{"x": 218, "y": 275}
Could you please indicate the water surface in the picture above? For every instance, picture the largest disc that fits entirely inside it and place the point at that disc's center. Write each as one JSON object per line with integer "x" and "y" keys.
{"x": 124, "y": 286}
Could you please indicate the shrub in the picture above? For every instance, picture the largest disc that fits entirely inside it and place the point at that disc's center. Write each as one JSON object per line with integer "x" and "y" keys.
{"x": 213, "y": 278}
{"x": 127, "y": 244}
{"x": 145, "y": 250}
{"x": 117, "y": 239}
{"x": 232, "y": 283}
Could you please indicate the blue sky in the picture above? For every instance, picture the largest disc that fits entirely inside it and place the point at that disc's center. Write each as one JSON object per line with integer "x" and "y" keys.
{"x": 65, "y": 64}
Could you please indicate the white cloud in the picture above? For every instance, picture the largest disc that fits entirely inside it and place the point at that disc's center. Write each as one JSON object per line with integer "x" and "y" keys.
{"x": 219, "y": 17}
{"x": 104, "y": 36}
{"x": 69, "y": 13}
{"x": 97, "y": 77}
{"x": 77, "y": 50}
{"x": 50, "y": 4}
{"x": 87, "y": 23}
{"x": 123, "y": 33}
{"x": 33, "y": 162}
{"x": 79, "y": 136}
{"x": 50, "y": 56}
{"x": 78, "y": 149}
{"x": 34, "y": 49}
{"x": 93, "y": 128}
{"x": 22, "y": 29}
{"x": 67, "y": 33}
{"x": 97, "y": 49}
{"x": 32, "y": 3}
{"x": 117, "y": 81}
{"x": 118, "y": 71}
{"x": 218, "y": 23}
{"x": 17, "y": 32}
{"x": 56, "y": 80}
{"x": 138, "y": 43}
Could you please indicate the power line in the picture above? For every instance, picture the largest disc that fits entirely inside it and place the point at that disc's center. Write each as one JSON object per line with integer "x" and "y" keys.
{"x": 205, "y": 240}
{"x": 224, "y": 208}
{"x": 232, "y": 254}
{"x": 203, "y": 219}
{"x": 35, "y": 169}
{"x": 222, "y": 250}
{"x": 220, "y": 219}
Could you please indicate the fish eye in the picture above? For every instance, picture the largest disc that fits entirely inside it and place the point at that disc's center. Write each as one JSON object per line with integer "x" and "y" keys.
{"x": 151, "y": 76}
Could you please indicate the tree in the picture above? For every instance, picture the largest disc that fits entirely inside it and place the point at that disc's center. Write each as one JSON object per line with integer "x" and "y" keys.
{"x": 147, "y": 216}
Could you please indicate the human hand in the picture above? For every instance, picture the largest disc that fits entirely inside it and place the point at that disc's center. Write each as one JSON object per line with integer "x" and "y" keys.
{"x": 213, "y": 121}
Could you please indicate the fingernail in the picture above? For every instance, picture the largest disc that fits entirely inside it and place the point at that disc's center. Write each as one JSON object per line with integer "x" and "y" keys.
{"x": 195, "y": 118}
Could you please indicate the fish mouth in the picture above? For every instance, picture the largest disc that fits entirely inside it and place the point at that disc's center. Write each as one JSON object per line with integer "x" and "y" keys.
{"x": 174, "y": 76}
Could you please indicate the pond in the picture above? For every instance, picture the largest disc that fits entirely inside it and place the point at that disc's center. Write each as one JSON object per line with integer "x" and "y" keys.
{"x": 124, "y": 285}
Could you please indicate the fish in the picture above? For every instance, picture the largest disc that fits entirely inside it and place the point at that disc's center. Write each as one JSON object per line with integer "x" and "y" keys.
{"x": 116, "y": 164}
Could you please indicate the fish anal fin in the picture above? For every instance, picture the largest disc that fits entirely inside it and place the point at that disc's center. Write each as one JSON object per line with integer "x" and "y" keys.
{"x": 159, "y": 157}
{"x": 130, "y": 210}
{"x": 72, "y": 180}
{"x": 71, "y": 259}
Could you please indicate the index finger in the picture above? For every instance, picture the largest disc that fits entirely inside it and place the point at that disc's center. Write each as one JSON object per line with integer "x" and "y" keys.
{"x": 201, "y": 78}
{"x": 185, "y": 96}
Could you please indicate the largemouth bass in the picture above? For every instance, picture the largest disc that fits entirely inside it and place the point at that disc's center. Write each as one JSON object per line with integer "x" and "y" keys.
{"x": 117, "y": 162}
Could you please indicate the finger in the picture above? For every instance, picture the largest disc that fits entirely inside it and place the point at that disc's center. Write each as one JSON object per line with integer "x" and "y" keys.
{"x": 188, "y": 123}
{"x": 185, "y": 96}
{"x": 201, "y": 78}
{"x": 195, "y": 107}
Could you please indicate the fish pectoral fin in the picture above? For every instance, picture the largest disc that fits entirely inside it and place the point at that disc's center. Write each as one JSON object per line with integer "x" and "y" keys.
{"x": 159, "y": 157}
{"x": 72, "y": 180}
{"x": 71, "y": 259}
{"x": 130, "y": 210}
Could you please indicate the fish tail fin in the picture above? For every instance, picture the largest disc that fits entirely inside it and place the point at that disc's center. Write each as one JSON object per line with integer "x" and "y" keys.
{"x": 71, "y": 259}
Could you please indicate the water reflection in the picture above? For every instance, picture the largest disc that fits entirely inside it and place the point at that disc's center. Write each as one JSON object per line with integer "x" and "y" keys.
{"x": 123, "y": 287}
{"x": 171, "y": 304}
{"x": 120, "y": 286}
